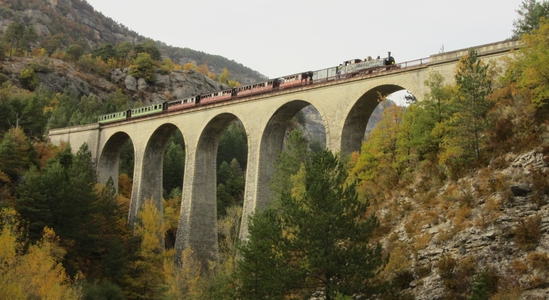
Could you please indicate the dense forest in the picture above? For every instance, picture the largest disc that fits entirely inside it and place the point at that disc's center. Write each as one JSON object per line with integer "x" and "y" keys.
{"x": 334, "y": 228}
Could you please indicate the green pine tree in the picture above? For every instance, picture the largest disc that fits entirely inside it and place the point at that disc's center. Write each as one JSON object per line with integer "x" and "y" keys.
{"x": 299, "y": 247}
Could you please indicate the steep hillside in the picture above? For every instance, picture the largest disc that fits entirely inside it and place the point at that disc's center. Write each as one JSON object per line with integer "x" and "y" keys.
{"x": 63, "y": 77}
{"x": 493, "y": 222}
{"x": 72, "y": 21}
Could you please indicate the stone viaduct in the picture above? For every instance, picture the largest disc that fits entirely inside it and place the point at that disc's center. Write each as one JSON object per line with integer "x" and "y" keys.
{"x": 344, "y": 106}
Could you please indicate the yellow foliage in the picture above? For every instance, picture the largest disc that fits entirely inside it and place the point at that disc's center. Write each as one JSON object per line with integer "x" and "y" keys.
{"x": 3, "y": 177}
{"x": 125, "y": 185}
{"x": 112, "y": 63}
{"x": 39, "y": 52}
{"x": 189, "y": 66}
{"x": 150, "y": 229}
{"x": 35, "y": 274}
{"x": 183, "y": 281}
{"x": 228, "y": 229}
{"x": 224, "y": 76}
{"x": 203, "y": 69}
{"x": 168, "y": 65}
{"x": 148, "y": 270}
{"x": 233, "y": 83}
{"x": 298, "y": 183}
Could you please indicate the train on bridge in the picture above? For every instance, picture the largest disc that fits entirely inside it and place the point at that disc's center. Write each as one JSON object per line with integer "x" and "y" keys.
{"x": 347, "y": 69}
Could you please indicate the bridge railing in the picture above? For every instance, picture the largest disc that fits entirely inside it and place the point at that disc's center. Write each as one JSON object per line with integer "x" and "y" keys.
{"x": 416, "y": 62}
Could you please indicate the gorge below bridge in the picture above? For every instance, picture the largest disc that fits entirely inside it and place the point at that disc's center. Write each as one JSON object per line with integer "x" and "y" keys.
{"x": 344, "y": 106}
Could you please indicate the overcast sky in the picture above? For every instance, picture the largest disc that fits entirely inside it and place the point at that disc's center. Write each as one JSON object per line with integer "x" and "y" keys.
{"x": 284, "y": 37}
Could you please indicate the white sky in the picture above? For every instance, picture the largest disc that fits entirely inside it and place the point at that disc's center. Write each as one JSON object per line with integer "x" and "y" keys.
{"x": 284, "y": 37}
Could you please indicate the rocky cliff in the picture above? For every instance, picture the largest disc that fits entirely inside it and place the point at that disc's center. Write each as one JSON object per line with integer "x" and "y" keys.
{"x": 77, "y": 21}
{"x": 494, "y": 222}
{"x": 60, "y": 76}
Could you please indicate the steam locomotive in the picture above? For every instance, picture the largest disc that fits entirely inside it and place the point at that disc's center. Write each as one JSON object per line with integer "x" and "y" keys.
{"x": 346, "y": 69}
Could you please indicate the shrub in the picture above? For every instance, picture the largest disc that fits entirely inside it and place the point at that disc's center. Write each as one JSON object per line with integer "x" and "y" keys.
{"x": 538, "y": 261}
{"x": 484, "y": 284}
{"x": 29, "y": 79}
{"x": 519, "y": 267}
{"x": 527, "y": 232}
{"x": 540, "y": 182}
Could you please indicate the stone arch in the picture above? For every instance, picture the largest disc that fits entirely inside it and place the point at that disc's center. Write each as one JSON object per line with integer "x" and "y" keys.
{"x": 272, "y": 141}
{"x": 148, "y": 183}
{"x": 109, "y": 158}
{"x": 357, "y": 118}
{"x": 198, "y": 222}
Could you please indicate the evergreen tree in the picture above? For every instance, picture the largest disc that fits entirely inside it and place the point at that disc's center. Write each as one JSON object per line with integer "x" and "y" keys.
{"x": 308, "y": 239}
{"x": 174, "y": 167}
{"x": 463, "y": 137}
{"x": 16, "y": 153}
{"x": 233, "y": 144}
{"x": 265, "y": 271}
{"x": 111, "y": 223}
{"x": 14, "y": 36}
{"x": 530, "y": 13}
{"x": 122, "y": 51}
{"x": 63, "y": 197}
{"x": 289, "y": 162}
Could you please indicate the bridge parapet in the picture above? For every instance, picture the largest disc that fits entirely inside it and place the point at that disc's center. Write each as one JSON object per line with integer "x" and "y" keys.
{"x": 78, "y": 135}
{"x": 482, "y": 50}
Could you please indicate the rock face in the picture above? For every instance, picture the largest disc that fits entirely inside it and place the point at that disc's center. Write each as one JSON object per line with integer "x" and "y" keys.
{"x": 505, "y": 230}
{"x": 60, "y": 76}
{"x": 176, "y": 85}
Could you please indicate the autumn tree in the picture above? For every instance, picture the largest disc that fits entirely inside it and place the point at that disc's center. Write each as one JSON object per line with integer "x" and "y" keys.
{"x": 531, "y": 65}
{"x": 183, "y": 280}
{"x": 35, "y": 272}
{"x": 382, "y": 162}
{"x": 144, "y": 67}
{"x": 146, "y": 277}
{"x": 421, "y": 134}
{"x": 203, "y": 69}
{"x": 17, "y": 154}
{"x": 189, "y": 66}
{"x": 225, "y": 76}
